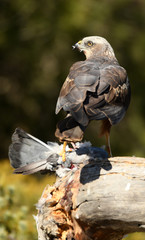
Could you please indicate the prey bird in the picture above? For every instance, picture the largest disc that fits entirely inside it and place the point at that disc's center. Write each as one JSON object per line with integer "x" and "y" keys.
{"x": 95, "y": 89}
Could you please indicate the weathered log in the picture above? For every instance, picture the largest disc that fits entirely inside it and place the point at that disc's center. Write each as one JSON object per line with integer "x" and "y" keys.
{"x": 102, "y": 200}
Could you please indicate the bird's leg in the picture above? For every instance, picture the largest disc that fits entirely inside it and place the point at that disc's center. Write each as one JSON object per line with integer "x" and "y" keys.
{"x": 108, "y": 146}
{"x": 63, "y": 152}
{"x": 105, "y": 130}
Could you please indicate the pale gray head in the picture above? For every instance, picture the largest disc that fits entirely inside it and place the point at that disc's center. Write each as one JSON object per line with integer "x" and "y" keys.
{"x": 95, "y": 46}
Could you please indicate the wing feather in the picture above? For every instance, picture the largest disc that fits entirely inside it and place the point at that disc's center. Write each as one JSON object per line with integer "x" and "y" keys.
{"x": 91, "y": 91}
{"x": 112, "y": 96}
{"x": 83, "y": 77}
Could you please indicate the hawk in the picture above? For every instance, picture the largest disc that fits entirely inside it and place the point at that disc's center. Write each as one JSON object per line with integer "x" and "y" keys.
{"x": 95, "y": 89}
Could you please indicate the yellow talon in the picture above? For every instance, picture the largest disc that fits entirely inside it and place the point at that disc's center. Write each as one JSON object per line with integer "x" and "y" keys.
{"x": 63, "y": 157}
{"x": 63, "y": 152}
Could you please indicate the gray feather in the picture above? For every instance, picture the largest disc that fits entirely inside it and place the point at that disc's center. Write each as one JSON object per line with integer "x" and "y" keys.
{"x": 29, "y": 155}
{"x": 26, "y": 149}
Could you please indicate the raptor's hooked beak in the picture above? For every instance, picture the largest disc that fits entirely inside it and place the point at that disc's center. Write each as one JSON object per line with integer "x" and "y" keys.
{"x": 77, "y": 46}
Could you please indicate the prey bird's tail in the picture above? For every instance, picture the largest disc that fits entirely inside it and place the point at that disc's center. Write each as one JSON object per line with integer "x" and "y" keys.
{"x": 28, "y": 154}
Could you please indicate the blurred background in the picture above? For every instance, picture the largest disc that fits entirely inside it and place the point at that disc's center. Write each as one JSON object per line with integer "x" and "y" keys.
{"x": 35, "y": 57}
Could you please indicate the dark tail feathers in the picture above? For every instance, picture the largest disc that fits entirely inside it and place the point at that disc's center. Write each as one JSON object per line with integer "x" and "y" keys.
{"x": 69, "y": 130}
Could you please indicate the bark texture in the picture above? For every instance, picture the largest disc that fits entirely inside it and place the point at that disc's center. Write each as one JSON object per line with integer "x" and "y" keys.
{"x": 103, "y": 200}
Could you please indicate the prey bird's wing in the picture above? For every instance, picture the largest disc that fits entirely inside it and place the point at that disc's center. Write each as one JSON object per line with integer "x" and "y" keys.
{"x": 28, "y": 154}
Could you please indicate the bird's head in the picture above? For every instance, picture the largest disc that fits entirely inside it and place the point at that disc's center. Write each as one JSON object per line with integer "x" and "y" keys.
{"x": 95, "y": 46}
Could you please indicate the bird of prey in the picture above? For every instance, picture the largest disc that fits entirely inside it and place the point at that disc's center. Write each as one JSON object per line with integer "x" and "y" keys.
{"x": 95, "y": 89}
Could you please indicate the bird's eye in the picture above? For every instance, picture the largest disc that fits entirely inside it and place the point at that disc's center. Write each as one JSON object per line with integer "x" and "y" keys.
{"x": 89, "y": 43}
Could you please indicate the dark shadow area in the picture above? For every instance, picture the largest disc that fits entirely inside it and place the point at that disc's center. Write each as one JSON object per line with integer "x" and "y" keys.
{"x": 91, "y": 171}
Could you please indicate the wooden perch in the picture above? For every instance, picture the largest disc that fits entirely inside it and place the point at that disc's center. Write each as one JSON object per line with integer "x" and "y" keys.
{"x": 102, "y": 200}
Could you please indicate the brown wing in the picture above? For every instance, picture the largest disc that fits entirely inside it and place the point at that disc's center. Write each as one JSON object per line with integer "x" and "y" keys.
{"x": 91, "y": 92}
{"x": 83, "y": 77}
{"x": 112, "y": 96}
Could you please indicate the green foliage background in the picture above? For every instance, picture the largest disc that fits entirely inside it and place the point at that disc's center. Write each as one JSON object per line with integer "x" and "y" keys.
{"x": 35, "y": 49}
{"x": 35, "y": 56}
{"x": 18, "y": 196}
